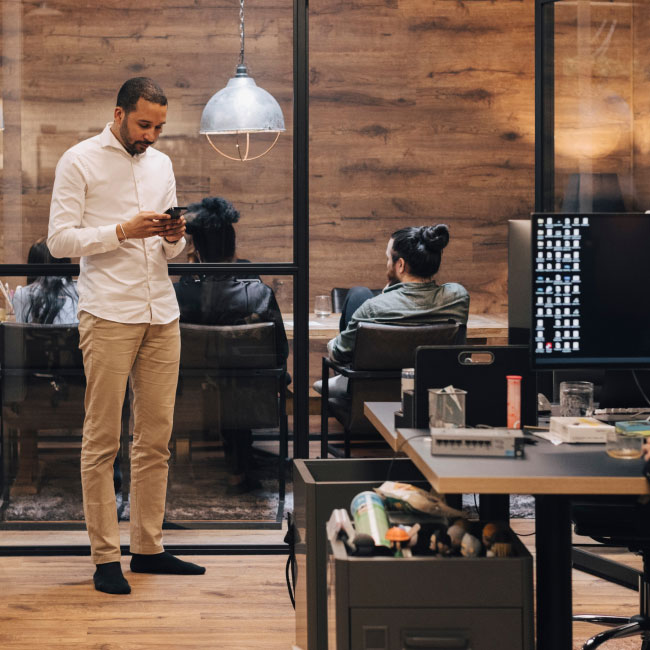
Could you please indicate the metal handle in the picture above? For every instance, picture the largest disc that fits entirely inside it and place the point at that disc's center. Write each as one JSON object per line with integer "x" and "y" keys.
{"x": 435, "y": 642}
{"x": 474, "y": 358}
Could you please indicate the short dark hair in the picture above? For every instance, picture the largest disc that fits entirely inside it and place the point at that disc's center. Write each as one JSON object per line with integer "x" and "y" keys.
{"x": 211, "y": 226}
{"x": 140, "y": 87}
{"x": 421, "y": 248}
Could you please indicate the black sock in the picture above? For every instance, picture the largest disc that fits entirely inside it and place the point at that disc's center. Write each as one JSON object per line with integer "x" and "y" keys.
{"x": 164, "y": 563}
{"x": 109, "y": 579}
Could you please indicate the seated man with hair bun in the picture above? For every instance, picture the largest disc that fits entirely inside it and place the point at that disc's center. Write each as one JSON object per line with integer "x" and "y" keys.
{"x": 412, "y": 296}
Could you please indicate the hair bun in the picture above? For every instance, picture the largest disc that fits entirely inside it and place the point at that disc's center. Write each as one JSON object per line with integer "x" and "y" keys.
{"x": 435, "y": 238}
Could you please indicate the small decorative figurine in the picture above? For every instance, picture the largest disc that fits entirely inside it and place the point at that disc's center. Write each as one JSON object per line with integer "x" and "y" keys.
{"x": 501, "y": 545}
{"x": 443, "y": 544}
{"x": 398, "y": 539}
{"x": 470, "y": 546}
{"x": 489, "y": 531}
{"x": 456, "y": 532}
{"x": 433, "y": 540}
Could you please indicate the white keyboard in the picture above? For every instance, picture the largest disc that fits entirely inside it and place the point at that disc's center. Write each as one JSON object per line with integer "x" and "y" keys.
{"x": 622, "y": 414}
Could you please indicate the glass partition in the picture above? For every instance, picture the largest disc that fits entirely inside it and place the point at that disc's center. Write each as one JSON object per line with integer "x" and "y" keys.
{"x": 592, "y": 94}
{"x": 62, "y": 65}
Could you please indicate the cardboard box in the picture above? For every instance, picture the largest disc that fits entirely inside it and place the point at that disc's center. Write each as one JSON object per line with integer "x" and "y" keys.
{"x": 576, "y": 429}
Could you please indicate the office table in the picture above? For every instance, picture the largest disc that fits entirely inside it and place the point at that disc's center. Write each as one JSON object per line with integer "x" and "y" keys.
{"x": 552, "y": 474}
{"x": 481, "y": 328}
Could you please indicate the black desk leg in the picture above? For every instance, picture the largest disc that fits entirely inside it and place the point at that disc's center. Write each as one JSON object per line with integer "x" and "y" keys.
{"x": 494, "y": 507}
{"x": 553, "y": 570}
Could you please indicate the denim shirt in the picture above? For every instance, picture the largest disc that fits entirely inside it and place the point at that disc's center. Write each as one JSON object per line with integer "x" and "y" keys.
{"x": 405, "y": 303}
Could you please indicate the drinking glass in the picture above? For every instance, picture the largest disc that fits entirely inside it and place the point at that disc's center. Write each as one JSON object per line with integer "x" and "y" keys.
{"x": 621, "y": 444}
{"x": 322, "y": 306}
{"x": 576, "y": 399}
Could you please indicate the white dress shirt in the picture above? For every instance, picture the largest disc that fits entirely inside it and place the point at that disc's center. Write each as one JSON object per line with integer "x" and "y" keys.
{"x": 98, "y": 184}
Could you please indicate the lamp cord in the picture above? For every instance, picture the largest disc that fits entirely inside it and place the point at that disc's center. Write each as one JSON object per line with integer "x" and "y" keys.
{"x": 241, "y": 32}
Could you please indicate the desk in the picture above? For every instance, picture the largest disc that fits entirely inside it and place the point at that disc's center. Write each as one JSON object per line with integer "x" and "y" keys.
{"x": 552, "y": 474}
{"x": 481, "y": 328}
{"x": 382, "y": 417}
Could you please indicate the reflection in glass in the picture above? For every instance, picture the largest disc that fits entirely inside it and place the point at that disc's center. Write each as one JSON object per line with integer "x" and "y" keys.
{"x": 233, "y": 353}
{"x": 597, "y": 101}
{"x": 46, "y": 299}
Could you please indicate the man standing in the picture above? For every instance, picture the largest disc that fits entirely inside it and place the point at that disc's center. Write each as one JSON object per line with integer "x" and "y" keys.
{"x": 108, "y": 202}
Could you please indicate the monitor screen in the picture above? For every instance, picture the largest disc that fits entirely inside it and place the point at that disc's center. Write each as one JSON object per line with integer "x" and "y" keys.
{"x": 590, "y": 290}
{"x": 519, "y": 281}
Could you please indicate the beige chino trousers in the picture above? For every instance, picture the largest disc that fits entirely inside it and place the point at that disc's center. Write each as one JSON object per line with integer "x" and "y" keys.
{"x": 149, "y": 355}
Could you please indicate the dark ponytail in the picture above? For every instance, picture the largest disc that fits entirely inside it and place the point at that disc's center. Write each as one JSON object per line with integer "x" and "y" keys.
{"x": 421, "y": 248}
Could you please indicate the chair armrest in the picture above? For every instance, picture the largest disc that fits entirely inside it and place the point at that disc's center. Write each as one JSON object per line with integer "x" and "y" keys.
{"x": 346, "y": 371}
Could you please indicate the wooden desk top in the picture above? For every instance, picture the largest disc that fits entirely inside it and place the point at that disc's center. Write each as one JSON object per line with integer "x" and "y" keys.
{"x": 545, "y": 468}
{"x": 382, "y": 416}
{"x": 493, "y": 327}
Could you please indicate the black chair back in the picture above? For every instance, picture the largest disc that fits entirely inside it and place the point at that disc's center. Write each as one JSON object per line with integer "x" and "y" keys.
{"x": 43, "y": 381}
{"x": 392, "y": 347}
{"x": 229, "y": 378}
{"x": 228, "y": 346}
{"x": 339, "y": 294}
{"x": 383, "y": 348}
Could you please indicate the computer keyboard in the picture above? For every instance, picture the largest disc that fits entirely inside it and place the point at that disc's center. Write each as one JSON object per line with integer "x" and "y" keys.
{"x": 622, "y": 414}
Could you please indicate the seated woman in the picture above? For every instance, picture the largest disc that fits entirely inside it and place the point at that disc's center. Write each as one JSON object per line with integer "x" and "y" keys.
{"x": 51, "y": 300}
{"x": 226, "y": 299}
{"x": 46, "y": 299}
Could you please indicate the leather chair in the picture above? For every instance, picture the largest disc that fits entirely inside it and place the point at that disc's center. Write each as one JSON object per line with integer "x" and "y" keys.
{"x": 231, "y": 379}
{"x": 339, "y": 294}
{"x": 43, "y": 387}
{"x": 380, "y": 353}
{"x": 621, "y": 522}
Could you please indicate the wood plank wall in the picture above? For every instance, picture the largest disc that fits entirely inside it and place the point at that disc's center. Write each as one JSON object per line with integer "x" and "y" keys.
{"x": 421, "y": 111}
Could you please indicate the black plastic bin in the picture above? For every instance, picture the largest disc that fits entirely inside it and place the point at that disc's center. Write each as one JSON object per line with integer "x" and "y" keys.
{"x": 320, "y": 486}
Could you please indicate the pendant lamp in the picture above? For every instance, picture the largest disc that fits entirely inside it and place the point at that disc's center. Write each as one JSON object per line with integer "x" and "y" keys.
{"x": 240, "y": 109}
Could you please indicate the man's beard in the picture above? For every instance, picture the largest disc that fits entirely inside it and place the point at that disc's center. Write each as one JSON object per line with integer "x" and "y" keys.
{"x": 392, "y": 278}
{"x": 130, "y": 145}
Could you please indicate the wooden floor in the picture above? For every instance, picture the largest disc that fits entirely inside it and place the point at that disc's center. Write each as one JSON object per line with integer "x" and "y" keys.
{"x": 241, "y": 603}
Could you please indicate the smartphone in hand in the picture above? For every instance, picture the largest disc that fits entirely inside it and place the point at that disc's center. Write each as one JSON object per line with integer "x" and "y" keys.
{"x": 175, "y": 213}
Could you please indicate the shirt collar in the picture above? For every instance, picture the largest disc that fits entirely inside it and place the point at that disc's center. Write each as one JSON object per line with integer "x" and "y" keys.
{"x": 108, "y": 139}
{"x": 411, "y": 285}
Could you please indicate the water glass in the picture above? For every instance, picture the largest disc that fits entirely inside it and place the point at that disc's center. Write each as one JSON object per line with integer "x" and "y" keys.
{"x": 576, "y": 399}
{"x": 621, "y": 444}
{"x": 323, "y": 306}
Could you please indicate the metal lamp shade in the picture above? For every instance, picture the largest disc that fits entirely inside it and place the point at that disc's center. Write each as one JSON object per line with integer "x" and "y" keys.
{"x": 241, "y": 107}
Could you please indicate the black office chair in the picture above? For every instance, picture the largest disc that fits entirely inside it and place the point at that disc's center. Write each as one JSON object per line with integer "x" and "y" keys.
{"x": 618, "y": 521}
{"x": 43, "y": 387}
{"x": 380, "y": 353}
{"x": 339, "y": 294}
{"x": 231, "y": 379}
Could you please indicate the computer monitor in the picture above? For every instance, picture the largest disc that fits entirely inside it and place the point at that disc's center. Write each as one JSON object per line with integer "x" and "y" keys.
{"x": 519, "y": 281}
{"x": 590, "y": 291}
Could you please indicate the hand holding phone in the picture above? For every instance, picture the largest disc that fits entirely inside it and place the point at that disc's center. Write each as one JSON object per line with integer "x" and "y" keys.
{"x": 175, "y": 213}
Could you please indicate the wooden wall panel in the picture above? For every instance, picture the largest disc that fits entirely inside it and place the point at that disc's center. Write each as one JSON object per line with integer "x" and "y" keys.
{"x": 421, "y": 111}
{"x": 72, "y": 65}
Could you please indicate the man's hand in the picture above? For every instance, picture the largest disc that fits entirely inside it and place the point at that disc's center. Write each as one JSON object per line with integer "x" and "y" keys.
{"x": 143, "y": 225}
{"x": 646, "y": 449}
{"x": 174, "y": 229}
